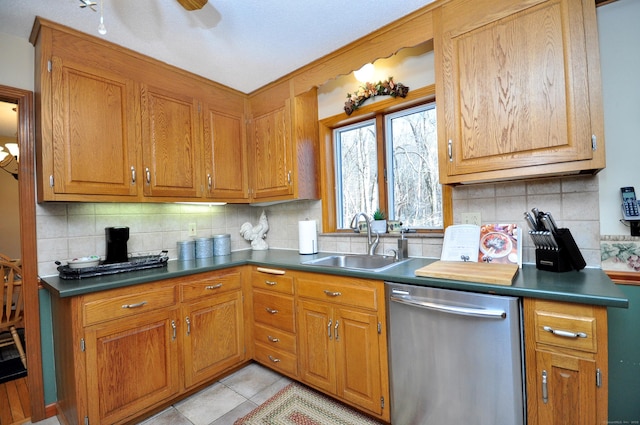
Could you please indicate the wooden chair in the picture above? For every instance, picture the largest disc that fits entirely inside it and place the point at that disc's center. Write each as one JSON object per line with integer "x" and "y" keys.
{"x": 12, "y": 304}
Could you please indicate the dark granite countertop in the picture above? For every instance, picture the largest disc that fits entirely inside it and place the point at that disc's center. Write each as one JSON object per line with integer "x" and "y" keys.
{"x": 588, "y": 286}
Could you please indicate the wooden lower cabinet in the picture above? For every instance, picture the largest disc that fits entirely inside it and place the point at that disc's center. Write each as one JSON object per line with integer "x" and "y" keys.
{"x": 567, "y": 363}
{"x": 131, "y": 364}
{"x": 342, "y": 338}
{"x": 123, "y": 352}
{"x": 274, "y": 328}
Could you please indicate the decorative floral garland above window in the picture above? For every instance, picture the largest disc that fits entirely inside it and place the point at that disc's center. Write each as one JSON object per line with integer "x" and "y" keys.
{"x": 381, "y": 88}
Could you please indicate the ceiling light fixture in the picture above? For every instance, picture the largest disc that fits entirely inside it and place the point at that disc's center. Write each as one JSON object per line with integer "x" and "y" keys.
{"x": 101, "y": 28}
{"x": 364, "y": 74}
{"x": 9, "y": 160}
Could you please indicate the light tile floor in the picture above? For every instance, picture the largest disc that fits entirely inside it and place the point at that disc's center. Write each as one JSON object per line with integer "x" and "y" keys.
{"x": 222, "y": 402}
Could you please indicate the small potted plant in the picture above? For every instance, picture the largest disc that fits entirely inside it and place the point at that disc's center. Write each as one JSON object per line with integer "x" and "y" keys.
{"x": 379, "y": 223}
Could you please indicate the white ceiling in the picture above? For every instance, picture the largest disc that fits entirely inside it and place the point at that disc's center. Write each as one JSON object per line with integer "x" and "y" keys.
{"x": 243, "y": 44}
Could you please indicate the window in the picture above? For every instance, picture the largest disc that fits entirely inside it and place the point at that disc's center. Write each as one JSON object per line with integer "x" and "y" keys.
{"x": 396, "y": 171}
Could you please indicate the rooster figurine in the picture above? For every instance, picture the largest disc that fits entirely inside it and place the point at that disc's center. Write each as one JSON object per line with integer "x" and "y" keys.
{"x": 257, "y": 233}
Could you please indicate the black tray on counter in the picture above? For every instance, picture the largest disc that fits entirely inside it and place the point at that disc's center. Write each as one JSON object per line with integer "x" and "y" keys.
{"x": 135, "y": 263}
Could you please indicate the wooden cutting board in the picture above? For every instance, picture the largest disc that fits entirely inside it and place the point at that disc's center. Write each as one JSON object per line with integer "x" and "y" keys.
{"x": 498, "y": 274}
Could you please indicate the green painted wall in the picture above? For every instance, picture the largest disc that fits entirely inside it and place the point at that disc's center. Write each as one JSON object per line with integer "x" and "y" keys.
{"x": 46, "y": 340}
{"x": 624, "y": 360}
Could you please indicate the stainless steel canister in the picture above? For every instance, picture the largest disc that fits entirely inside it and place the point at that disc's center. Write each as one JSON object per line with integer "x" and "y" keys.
{"x": 204, "y": 247}
{"x": 186, "y": 250}
{"x": 222, "y": 244}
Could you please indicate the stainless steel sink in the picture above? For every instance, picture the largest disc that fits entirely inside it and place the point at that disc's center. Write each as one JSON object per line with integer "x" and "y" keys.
{"x": 375, "y": 263}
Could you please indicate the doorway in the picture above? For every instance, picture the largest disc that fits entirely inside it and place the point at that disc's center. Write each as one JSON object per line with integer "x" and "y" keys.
{"x": 23, "y": 100}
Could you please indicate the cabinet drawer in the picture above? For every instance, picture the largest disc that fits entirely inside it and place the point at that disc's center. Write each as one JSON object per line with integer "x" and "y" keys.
{"x": 277, "y": 360}
{"x": 352, "y": 292}
{"x": 275, "y": 338}
{"x": 574, "y": 327}
{"x": 116, "y": 307}
{"x": 209, "y": 284}
{"x": 272, "y": 280}
{"x": 274, "y": 310}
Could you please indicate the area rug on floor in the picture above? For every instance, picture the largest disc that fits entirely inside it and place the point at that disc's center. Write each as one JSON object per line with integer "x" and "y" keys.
{"x": 297, "y": 404}
{"x": 10, "y": 364}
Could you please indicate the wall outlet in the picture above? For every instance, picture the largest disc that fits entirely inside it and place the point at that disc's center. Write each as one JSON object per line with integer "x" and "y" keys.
{"x": 192, "y": 229}
{"x": 470, "y": 218}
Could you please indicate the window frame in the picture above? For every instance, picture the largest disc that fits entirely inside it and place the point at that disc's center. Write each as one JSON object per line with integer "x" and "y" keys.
{"x": 377, "y": 111}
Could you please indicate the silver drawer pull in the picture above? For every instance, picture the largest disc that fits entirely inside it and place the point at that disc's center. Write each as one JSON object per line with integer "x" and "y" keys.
{"x": 545, "y": 391}
{"x": 270, "y": 282}
{"x": 274, "y": 359}
{"x": 216, "y": 286}
{"x": 272, "y": 339}
{"x": 565, "y": 334}
{"x": 332, "y": 294}
{"x": 271, "y": 310}
{"x": 140, "y": 304}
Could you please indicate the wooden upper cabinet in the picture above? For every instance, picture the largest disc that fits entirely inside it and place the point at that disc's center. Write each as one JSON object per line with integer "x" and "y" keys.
{"x": 94, "y": 142}
{"x": 283, "y": 144}
{"x": 225, "y": 156}
{"x": 518, "y": 89}
{"x": 272, "y": 166}
{"x": 171, "y": 144}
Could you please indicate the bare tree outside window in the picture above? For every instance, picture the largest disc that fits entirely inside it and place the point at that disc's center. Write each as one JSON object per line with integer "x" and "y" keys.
{"x": 415, "y": 193}
{"x": 357, "y": 171}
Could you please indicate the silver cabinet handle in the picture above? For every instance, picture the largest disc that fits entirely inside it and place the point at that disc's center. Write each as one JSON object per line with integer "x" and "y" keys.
{"x": 332, "y": 294}
{"x": 188, "y": 325}
{"x": 450, "y": 150}
{"x": 289, "y": 177}
{"x": 335, "y": 331}
{"x": 136, "y": 305}
{"x": 173, "y": 325}
{"x": 273, "y": 339}
{"x": 565, "y": 334}
{"x": 329, "y": 329}
{"x": 274, "y": 359}
{"x": 209, "y": 181}
{"x": 148, "y": 175}
{"x": 216, "y": 286}
{"x": 133, "y": 174}
{"x": 545, "y": 393}
{"x": 271, "y": 310}
{"x": 270, "y": 282}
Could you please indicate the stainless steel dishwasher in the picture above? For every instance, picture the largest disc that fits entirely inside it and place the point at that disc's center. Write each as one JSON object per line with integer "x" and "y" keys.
{"x": 455, "y": 357}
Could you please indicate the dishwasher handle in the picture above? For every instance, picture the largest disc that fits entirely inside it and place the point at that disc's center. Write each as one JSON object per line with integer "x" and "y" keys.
{"x": 463, "y": 311}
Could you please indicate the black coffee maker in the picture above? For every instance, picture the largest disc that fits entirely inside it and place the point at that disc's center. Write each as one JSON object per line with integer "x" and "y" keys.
{"x": 117, "y": 238}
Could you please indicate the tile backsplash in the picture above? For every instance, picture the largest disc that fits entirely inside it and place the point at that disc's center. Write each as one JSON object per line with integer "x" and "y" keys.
{"x": 69, "y": 230}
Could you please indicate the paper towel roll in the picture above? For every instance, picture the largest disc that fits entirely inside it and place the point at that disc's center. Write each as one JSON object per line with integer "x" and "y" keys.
{"x": 308, "y": 237}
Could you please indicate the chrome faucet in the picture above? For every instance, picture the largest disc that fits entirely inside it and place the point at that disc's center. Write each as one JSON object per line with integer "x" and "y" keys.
{"x": 371, "y": 245}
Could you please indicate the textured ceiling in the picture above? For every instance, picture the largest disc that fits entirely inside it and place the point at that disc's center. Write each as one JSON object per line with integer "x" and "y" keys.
{"x": 243, "y": 44}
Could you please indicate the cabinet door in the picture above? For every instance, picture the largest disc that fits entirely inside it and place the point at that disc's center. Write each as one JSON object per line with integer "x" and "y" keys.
{"x": 570, "y": 389}
{"x": 94, "y": 136}
{"x": 317, "y": 350}
{"x": 225, "y": 157}
{"x": 131, "y": 365}
{"x": 171, "y": 144}
{"x": 513, "y": 85}
{"x": 213, "y": 336}
{"x": 272, "y": 150}
{"x": 358, "y": 358}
